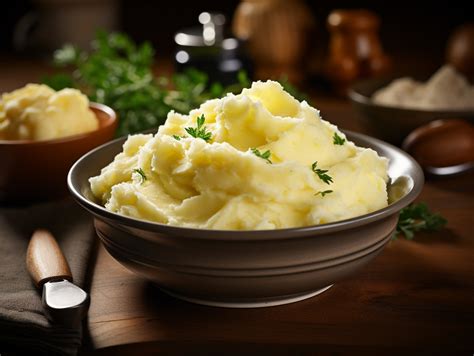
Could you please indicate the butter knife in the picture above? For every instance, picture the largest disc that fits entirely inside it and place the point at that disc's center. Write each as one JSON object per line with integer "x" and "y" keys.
{"x": 64, "y": 302}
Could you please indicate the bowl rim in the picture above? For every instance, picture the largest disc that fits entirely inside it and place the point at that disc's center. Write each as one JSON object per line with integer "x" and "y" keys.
{"x": 355, "y": 95}
{"x": 110, "y": 121}
{"x": 252, "y": 235}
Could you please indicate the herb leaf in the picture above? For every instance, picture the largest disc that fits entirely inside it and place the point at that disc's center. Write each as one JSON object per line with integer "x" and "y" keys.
{"x": 265, "y": 155}
{"x": 323, "y": 193}
{"x": 141, "y": 173}
{"x": 321, "y": 173}
{"x": 415, "y": 218}
{"x": 200, "y": 130}
{"x": 338, "y": 140}
{"x": 290, "y": 88}
{"x": 176, "y": 137}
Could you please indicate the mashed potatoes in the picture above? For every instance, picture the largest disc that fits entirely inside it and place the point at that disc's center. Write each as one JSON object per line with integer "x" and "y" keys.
{"x": 445, "y": 90}
{"x": 261, "y": 160}
{"x": 37, "y": 112}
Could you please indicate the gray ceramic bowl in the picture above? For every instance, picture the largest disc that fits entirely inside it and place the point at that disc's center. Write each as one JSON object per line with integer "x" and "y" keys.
{"x": 390, "y": 123}
{"x": 247, "y": 268}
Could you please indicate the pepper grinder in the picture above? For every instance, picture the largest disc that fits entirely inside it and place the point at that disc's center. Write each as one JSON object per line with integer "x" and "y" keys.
{"x": 355, "y": 50}
{"x": 278, "y": 35}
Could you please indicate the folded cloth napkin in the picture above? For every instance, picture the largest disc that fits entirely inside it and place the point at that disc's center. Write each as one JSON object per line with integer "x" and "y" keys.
{"x": 23, "y": 325}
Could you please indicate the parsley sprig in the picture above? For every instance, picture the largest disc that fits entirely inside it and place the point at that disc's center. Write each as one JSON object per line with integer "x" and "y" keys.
{"x": 141, "y": 173}
{"x": 323, "y": 193}
{"x": 415, "y": 218}
{"x": 200, "y": 131}
{"x": 265, "y": 155}
{"x": 338, "y": 140}
{"x": 321, "y": 173}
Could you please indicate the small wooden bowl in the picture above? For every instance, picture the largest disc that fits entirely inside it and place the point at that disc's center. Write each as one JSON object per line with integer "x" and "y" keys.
{"x": 443, "y": 147}
{"x": 37, "y": 170}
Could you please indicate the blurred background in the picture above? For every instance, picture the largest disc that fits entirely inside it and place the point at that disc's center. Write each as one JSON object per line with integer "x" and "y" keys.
{"x": 415, "y": 37}
{"x": 318, "y": 50}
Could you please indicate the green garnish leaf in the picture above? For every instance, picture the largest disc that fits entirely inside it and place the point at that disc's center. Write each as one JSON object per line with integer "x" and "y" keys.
{"x": 141, "y": 173}
{"x": 290, "y": 88}
{"x": 67, "y": 55}
{"x": 323, "y": 193}
{"x": 58, "y": 81}
{"x": 321, "y": 173}
{"x": 265, "y": 155}
{"x": 200, "y": 131}
{"x": 243, "y": 79}
{"x": 415, "y": 218}
{"x": 176, "y": 137}
{"x": 338, "y": 140}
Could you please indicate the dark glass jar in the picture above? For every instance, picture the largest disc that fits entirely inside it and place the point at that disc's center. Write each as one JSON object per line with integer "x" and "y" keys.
{"x": 207, "y": 49}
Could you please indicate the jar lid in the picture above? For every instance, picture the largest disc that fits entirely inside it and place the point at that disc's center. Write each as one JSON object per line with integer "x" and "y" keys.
{"x": 210, "y": 34}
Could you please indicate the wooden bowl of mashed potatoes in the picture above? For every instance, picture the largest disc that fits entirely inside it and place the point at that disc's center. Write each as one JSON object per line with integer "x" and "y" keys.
{"x": 35, "y": 161}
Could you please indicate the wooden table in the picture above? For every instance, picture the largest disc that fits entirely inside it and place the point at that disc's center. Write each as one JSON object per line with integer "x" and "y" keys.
{"x": 417, "y": 296}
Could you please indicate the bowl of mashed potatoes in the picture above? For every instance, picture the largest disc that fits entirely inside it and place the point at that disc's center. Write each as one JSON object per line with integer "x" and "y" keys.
{"x": 42, "y": 133}
{"x": 250, "y": 200}
{"x": 392, "y": 108}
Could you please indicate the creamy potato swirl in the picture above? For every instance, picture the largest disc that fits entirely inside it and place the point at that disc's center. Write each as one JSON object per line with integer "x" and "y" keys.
{"x": 265, "y": 165}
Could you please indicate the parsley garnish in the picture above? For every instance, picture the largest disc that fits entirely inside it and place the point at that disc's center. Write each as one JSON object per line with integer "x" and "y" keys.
{"x": 200, "y": 130}
{"x": 141, "y": 173}
{"x": 265, "y": 155}
{"x": 324, "y": 192}
{"x": 417, "y": 217}
{"x": 338, "y": 140}
{"x": 321, "y": 173}
{"x": 176, "y": 137}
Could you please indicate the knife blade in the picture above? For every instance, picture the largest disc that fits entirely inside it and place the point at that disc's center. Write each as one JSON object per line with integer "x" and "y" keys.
{"x": 63, "y": 302}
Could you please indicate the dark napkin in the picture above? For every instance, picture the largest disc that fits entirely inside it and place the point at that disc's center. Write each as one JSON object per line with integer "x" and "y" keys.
{"x": 23, "y": 326}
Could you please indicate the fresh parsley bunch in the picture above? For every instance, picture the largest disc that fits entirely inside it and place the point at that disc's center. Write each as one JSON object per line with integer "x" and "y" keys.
{"x": 418, "y": 217}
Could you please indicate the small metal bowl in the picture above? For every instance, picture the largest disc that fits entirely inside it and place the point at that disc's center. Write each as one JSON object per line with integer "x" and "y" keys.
{"x": 247, "y": 268}
{"x": 391, "y": 123}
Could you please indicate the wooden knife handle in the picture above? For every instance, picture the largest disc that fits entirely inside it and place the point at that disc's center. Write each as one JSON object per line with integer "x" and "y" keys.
{"x": 44, "y": 259}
